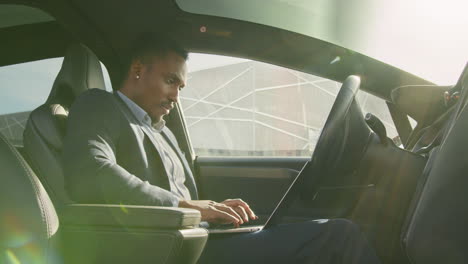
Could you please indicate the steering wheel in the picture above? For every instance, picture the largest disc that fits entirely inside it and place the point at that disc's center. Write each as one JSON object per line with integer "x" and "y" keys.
{"x": 341, "y": 141}
{"x": 338, "y": 151}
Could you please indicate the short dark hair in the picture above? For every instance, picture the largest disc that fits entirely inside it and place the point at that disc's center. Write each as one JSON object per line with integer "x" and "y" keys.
{"x": 148, "y": 45}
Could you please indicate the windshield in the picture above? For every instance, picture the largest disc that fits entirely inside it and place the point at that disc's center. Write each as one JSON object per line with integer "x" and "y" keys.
{"x": 424, "y": 37}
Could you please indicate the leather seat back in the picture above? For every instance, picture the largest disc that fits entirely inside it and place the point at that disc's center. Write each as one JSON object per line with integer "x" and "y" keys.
{"x": 28, "y": 221}
{"x": 437, "y": 230}
{"x": 45, "y": 129}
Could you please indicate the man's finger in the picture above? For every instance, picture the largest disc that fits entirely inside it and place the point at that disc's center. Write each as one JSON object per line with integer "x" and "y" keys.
{"x": 240, "y": 202}
{"x": 251, "y": 213}
{"x": 230, "y": 211}
{"x": 241, "y": 211}
{"x": 226, "y": 218}
{"x": 247, "y": 209}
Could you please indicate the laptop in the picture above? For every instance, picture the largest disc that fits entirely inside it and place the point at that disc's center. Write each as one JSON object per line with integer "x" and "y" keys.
{"x": 288, "y": 198}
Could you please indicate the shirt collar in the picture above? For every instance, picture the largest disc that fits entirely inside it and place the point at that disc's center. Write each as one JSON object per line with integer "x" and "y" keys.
{"x": 159, "y": 125}
{"x": 141, "y": 114}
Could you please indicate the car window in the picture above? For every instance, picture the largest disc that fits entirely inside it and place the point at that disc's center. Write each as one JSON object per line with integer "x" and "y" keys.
{"x": 23, "y": 88}
{"x": 249, "y": 108}
{"x": 372, "y": 104}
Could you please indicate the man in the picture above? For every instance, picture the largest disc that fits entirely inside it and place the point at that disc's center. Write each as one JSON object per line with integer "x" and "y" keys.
{"x": 118, "y": 150}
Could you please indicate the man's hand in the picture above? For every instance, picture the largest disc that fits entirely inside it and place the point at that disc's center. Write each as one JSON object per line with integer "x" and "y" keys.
{"x": 242, "y": 209}
{"x": 233, "y": 211}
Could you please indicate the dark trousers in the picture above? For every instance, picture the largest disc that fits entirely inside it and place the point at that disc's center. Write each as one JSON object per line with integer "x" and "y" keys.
{"x": 320, "y": 241}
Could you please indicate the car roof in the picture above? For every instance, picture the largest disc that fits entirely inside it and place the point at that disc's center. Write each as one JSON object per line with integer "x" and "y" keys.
{"x": 108, "y": 27}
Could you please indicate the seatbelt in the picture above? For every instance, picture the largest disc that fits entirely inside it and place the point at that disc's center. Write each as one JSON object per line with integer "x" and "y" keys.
{"x": 440, "y": 126}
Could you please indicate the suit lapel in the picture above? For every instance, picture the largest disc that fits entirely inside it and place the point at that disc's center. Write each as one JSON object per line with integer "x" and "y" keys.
{"x": 131, "y": 117}
{"x": 188, "y": 172}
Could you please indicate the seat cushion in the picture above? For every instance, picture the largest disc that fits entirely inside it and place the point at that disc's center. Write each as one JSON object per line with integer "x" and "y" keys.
{"x": 28, "y": 220}
{"x": 43, "y": 137}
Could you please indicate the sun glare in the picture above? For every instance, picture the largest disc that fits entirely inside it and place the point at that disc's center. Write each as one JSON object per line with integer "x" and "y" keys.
{"x": 424, "y": 37}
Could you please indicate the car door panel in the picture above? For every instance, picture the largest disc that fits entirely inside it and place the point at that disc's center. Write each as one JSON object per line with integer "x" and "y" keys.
{"x": 262, "y": 182}
{"x": 259, "y": 181}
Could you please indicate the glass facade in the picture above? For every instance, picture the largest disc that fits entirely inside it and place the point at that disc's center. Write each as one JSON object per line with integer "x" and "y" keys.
{"x": 256, "y": 109}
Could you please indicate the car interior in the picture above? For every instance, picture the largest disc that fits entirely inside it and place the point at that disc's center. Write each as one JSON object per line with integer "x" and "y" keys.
{"x": 407, "y": 199}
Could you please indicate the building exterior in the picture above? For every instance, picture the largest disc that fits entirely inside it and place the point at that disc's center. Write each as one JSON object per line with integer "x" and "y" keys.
{"x": 257, "y": 109}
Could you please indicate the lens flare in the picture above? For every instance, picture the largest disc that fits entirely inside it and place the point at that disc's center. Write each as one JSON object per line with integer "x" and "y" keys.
{"x": 11, "y": 257}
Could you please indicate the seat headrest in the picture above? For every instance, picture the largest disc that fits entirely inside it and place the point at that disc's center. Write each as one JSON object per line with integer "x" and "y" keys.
{"x": 462, "y": 87}
{"x": 81, "y": 70}
{"x": 423, "y": 103}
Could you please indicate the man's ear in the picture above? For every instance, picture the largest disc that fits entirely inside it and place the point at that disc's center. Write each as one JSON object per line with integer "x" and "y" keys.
{"x": 136, "y": 68}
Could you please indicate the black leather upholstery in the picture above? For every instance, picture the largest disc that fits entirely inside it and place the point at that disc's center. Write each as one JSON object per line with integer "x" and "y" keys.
{"x": 424, "y": 103}
{"x": 423, "y": 140}
{"x": 437, "y": 230}
{"x": 45, "y": 129}
{"x": 28, "y": 221}
{"x": 89, "y": 233}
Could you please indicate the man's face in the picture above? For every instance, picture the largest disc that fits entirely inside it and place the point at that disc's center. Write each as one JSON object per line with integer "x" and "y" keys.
{"x": 157, "y": 89}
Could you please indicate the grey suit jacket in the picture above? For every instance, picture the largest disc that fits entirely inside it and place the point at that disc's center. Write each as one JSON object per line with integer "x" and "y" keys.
{"x": 109, "y": 158}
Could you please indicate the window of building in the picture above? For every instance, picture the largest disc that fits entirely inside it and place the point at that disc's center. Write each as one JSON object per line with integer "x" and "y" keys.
{"x": 372, "y": 104}
{"x": 249, "y": 108}
{"x": 413, "y": 122}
